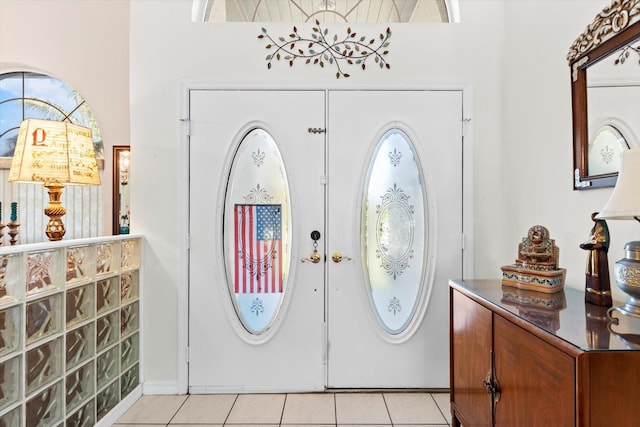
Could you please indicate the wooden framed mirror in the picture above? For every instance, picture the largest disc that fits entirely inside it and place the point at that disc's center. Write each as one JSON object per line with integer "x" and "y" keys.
{"x": 605, "y": 93}
{"x": 121, "y": 211}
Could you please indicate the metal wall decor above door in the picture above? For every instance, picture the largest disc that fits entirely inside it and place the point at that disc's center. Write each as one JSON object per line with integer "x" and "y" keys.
{"x": 335, "y": 52}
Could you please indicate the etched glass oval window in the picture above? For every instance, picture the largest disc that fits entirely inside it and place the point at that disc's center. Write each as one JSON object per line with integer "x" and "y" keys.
{"x": 394, "y": 230}
{"x": 257, "y": 225}
{"x": 604, "y": 150}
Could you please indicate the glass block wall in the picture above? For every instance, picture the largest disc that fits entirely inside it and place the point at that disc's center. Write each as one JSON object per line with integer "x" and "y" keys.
{"x": 69, "y": 331}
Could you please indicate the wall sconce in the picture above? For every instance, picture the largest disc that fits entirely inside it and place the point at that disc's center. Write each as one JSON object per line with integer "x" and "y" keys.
{"x": 624, "y": 203}
{"x": 55, "y": 153}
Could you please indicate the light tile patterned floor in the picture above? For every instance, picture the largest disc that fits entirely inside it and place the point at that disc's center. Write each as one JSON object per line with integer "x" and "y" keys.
{"x": 416, "y": 409}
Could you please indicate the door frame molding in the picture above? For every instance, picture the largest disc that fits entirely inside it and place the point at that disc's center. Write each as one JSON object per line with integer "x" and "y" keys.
{"x": 185, "y": 88}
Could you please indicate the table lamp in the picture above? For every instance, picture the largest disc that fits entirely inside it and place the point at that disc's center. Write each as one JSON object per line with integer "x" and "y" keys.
{"x": 624, "y": 203}
{"x": 54, "y": 153}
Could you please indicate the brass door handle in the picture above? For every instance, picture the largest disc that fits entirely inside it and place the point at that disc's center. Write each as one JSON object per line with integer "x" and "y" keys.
{"x": 314, "y": 258}
{"x": 338, "y": 257}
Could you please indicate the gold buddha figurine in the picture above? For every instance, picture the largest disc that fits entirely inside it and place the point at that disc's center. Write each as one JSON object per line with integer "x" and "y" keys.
{"x": 536, "y": 267}
{"x": 537, "y": 250}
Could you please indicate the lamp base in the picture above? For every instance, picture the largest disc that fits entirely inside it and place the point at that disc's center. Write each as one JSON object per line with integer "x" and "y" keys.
{"x": 55, "y": 211}
{"x": 627, "y": 274}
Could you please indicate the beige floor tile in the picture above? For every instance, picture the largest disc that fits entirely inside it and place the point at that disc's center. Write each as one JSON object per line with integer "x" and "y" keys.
{"x": 444, "y": 403}
{"x": 413, "y": 408}
{"x": 188, "y": 425}
{"x": 139, "y": 424}
{"x": 257, "y": 409}
{"x": 251, "y": 425}
{"x": 308, "y": 425}
{"x": 205, "y": 409}
{"x": 361, "y": 408}
{"x": 312, "y": 408}
{"x": 152, "y": 410}
{"x": 364, "y": 425}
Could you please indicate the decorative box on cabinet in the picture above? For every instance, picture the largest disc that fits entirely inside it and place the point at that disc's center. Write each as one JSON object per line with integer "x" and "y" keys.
{"x": 69, "y": 330}
{"x": 522, "y": 358}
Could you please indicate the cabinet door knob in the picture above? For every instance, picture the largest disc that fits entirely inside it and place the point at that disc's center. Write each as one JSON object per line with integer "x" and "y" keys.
{"x": 492, "y": 387}
{"x": 486, "y": 383}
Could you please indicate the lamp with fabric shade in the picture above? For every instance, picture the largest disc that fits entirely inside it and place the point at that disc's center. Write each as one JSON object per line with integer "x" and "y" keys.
{"x": 54, "y": 153}
{"x": 624, "y": 203}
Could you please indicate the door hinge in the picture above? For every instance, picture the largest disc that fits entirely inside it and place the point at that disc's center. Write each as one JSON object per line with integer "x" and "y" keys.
{"x": 323, "y": 179}
{"x": 463, "y": 241}
{"x": 464, "y": 126}
{"x": 187, "y": 241}
{"x": 188, "y": 354}
{"x": 187, "y": 123}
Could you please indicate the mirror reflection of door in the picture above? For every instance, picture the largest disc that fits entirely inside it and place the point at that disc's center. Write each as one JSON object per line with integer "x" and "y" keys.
{"x": 121, "y": 211}
{"x": 613, "y": 90}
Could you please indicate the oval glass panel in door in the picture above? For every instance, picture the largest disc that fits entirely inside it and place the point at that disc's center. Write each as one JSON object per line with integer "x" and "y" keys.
{"x": 394, "y": 230}
{"x": 257, "y": 224}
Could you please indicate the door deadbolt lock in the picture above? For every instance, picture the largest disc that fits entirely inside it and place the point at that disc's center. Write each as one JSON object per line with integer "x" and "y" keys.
{"x": 315, "y": 256}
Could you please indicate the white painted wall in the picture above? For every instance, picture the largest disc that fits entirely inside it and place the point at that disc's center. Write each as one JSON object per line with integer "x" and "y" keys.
{"x": 511, "y": 53}
{"x": 538, "y": 136}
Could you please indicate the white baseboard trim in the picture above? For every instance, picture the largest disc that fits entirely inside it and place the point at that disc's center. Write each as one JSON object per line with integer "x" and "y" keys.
{"x": 160, "y": 387}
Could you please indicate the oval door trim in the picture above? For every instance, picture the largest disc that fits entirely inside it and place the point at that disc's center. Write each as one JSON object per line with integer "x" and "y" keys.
{"x": 226, "y": 296}
{"x": 428, "y": 267}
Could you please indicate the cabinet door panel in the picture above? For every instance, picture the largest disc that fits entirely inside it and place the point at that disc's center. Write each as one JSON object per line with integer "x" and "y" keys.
{"x": 612, "y": 399}
{"x": 471, "y": 345}
{"x": 536, "y": 379}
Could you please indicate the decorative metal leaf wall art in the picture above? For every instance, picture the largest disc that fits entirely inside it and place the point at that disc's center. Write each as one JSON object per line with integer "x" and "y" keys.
{"x": 320, "y": 49}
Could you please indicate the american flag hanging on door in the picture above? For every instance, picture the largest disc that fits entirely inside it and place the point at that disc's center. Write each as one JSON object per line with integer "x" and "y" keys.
{"x": 258, "y": 248}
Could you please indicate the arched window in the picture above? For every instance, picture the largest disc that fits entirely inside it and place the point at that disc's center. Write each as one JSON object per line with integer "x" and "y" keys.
{"x": 325, "y": 11}
{"x": 25, "y": 95}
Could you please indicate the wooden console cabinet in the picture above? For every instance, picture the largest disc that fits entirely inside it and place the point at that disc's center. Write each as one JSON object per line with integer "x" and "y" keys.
{"x": 524, "y": 358}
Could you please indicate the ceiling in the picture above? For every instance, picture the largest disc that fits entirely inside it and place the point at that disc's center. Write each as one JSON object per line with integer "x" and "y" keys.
{"x": 298, "y": 11}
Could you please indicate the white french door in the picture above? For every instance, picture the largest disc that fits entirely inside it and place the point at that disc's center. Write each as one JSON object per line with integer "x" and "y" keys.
{"x": 223, "y": 353}
{"x": 396, "y": 336}
{"x": 270, "y": 168}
